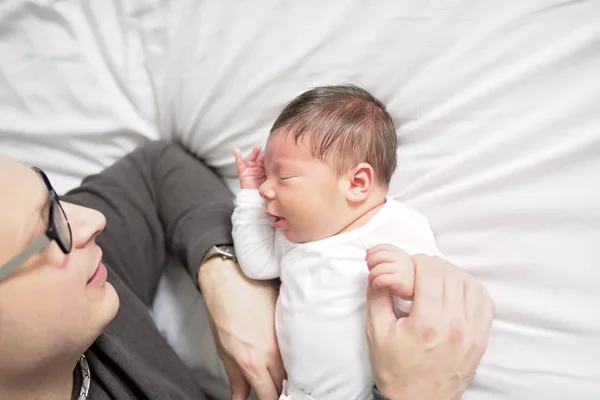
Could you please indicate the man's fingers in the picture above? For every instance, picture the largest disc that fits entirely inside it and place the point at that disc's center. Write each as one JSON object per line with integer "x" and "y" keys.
{"x": 239, "y": 161}
{"x": 240, "y": 390}
{"x": 380, "y": 309}
{"x": 277, "y": 372}
{"x": 454, "y": 299}
{"x": 429, "y": 288}
{"x": 262, "y": 384}
{"x": 479, "y": 313}
{"x": 479, "y": 306}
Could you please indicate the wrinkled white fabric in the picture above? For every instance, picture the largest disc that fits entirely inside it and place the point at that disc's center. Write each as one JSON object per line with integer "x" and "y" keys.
{"x": 497, "y": 105}
{"x": 291, "y": 392}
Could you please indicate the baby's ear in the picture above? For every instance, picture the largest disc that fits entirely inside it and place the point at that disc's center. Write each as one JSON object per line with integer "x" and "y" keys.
{"x": 361, "y": 180}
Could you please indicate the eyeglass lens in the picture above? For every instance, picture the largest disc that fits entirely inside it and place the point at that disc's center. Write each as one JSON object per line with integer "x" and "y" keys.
{"x": 61, "y": 224}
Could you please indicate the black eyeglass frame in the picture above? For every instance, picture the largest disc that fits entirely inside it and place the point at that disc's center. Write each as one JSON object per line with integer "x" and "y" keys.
{"x": 51, "y": 234}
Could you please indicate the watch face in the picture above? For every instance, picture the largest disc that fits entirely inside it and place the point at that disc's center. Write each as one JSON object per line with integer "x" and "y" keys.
{"x": 229, "y": 250}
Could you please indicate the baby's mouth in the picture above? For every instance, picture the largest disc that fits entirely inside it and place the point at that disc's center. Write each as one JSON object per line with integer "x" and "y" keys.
{"x": 268, "y": 214}
{"x": 277, "y": 220}
{"x": 279, "y": 223}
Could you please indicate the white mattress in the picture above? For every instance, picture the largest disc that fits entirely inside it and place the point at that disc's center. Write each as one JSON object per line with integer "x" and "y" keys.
{"x": 498, "y": 112}
{"x": 76, "y": 87}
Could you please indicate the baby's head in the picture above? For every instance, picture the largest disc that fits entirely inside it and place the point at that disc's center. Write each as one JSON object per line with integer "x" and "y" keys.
{"x": 329, "y": 159}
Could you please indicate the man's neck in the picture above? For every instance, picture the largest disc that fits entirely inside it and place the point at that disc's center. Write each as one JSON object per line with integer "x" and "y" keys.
{"x": 58, "y": 386}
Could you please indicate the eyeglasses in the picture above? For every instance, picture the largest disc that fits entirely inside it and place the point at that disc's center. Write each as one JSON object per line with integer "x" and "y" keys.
{"x": 59, "y": 230}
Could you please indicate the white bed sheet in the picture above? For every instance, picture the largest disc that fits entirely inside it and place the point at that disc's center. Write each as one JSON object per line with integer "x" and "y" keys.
{"x": 77, "y": 92}
{"x": 76, "y": 81}
{"x": 498, "y": 112}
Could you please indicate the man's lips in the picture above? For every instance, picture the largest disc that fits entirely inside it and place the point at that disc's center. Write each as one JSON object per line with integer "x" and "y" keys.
{"x": 99, "y": 274}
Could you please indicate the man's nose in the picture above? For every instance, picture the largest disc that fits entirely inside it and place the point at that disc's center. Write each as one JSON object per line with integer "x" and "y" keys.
{"x": 85, "y": 223}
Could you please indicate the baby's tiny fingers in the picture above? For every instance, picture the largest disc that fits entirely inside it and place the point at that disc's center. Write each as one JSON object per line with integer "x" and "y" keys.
{"x": 382, "y": 255}
{"x": 239, "y": 161}
{"x": 400, "y": 286}
{"x": 388, "y": 281}
{"x": 382, "y": 269}
{"x": 253, "y": 154}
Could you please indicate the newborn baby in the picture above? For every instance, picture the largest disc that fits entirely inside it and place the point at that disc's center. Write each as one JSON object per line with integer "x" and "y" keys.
{"x": 308, "y": 210}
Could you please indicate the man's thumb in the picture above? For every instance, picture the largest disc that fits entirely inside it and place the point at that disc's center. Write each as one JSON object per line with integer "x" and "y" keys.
{"x": 380, "y": 307}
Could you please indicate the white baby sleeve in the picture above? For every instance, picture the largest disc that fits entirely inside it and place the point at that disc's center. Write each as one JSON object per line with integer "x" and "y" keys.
{"x": 254, "y": 237}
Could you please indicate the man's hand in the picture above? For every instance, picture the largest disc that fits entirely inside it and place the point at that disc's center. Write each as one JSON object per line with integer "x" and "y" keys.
{"x": 251, "y": 170}
{"x": 242, "y": 315}
{"x": 434, "y": 352}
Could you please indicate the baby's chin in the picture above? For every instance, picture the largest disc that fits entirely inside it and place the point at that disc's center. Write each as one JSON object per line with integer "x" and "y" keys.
{"x": 302, "y": 237}
{"x": 294, "y": 238}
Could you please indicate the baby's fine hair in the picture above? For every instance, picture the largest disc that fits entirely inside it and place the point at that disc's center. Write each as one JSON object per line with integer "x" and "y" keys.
{"x": 344, "y": 125}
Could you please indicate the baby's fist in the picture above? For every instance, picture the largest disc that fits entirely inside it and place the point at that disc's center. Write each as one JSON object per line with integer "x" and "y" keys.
{"x": 392, "y": 268}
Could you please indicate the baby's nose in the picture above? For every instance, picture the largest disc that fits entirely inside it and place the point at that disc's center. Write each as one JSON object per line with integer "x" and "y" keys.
{"x": 266, "y": 191}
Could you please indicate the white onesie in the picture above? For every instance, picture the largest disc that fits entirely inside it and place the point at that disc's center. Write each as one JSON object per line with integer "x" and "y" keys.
{"x": 321, "y": 310}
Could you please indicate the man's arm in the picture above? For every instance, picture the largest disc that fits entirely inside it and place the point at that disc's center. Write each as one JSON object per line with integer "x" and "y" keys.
{"x": 242, "y": 313}
{"x": 158, "y": 200}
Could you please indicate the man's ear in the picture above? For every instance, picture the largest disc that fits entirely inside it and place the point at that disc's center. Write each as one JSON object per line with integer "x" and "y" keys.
{"x": 360, "y": 181}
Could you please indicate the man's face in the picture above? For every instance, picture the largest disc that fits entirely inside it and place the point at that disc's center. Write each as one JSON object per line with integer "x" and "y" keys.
{"x": 54, "y": 305}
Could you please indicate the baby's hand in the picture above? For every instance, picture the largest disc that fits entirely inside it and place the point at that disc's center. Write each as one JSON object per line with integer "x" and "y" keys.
{"x": 391, "y": 268}
{"x": 252, "y": 170}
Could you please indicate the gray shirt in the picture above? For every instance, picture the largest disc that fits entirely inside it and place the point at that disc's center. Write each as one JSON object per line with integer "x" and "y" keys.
{"x": 158, "y": 200}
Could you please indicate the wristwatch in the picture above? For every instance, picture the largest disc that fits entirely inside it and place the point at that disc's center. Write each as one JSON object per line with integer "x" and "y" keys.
{"x": 225, "y": 251}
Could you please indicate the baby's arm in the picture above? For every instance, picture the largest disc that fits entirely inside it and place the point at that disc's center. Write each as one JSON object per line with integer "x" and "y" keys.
{"x": 254, "y": 237}
{"x": 253, "y": 232}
